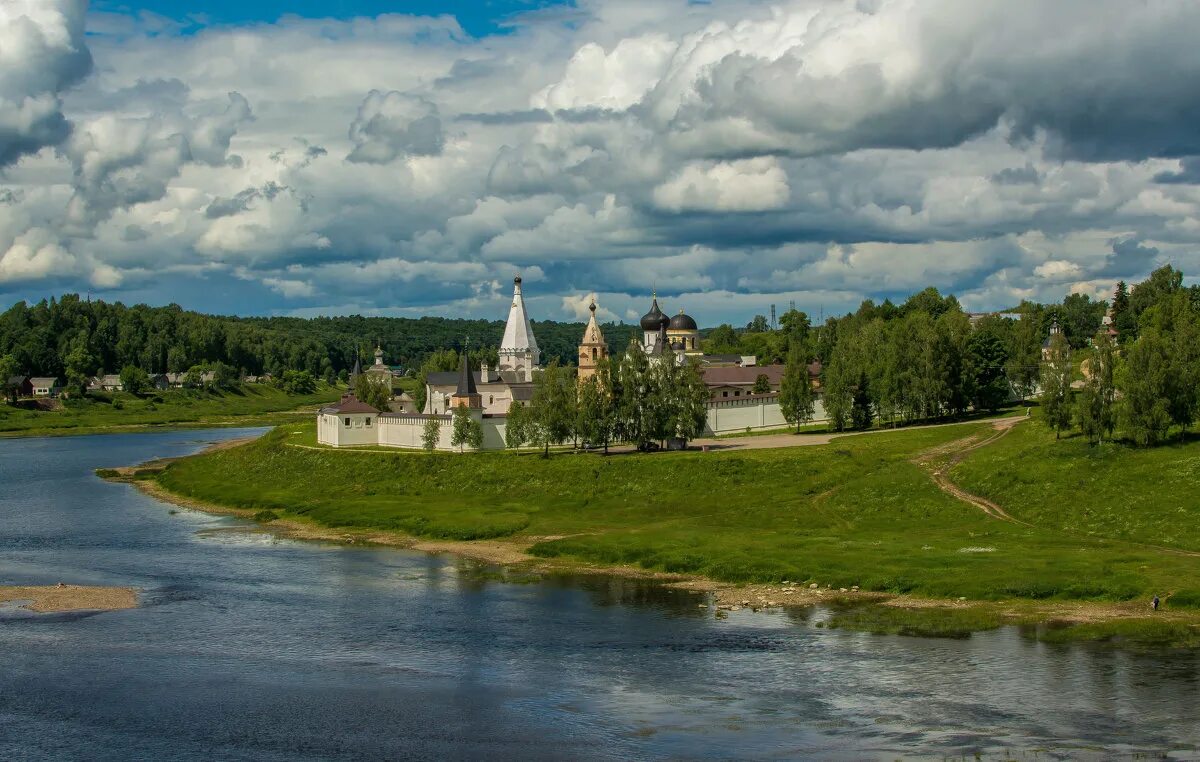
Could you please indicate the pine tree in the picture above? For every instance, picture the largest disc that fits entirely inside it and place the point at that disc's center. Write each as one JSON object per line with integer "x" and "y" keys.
{"x": 1056, "y": 386}
{"x": 1095, "y": 407}
{"x": 795, "y": 392}
{"x": 1122, "y": 317}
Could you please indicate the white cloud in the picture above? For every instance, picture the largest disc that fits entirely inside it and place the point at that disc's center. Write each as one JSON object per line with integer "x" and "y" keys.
{"x": 752, "y": 185}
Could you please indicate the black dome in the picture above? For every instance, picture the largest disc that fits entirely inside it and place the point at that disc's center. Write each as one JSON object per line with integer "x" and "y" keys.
{"x": 654, "y": 319}
{"x": 683, "y": 322}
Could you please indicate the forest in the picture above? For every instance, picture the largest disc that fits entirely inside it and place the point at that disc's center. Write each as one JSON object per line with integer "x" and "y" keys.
{"x": 70, "y": 336}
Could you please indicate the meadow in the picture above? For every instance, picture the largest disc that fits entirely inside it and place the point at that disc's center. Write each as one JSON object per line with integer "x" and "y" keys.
{"x": 858, "y": 511}
{"x": 99, "y": 412}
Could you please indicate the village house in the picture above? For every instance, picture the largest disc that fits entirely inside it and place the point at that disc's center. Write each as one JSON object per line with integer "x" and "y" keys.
{"x": 46, "y": 386}
{"x": 110, "y": 382}
{"x": 21, "y": 386}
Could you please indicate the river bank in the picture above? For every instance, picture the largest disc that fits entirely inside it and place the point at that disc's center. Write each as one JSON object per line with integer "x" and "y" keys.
{"x": 862, "y": 606}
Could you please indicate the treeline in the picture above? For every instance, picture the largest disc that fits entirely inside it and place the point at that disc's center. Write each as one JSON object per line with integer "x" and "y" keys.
{"x": 55, "y": 337}
{"x": 1146, "y": 383}
{"x": 926, "y": 359}
{"x": 630, "y": 398}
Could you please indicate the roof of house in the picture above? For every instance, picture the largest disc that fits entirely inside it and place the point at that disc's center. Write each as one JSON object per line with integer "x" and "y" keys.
{"x": 44, "y": 381}
{"x": 349, "y": 404}
{"x": 17, "y": 380}
{"x": 738, "y": 376}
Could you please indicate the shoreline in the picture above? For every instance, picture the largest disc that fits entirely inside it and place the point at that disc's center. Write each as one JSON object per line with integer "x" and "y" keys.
{"x": 721, "y": 596}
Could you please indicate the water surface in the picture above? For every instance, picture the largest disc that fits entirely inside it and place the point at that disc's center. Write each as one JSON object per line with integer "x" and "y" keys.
{"x": 251, "y": 647}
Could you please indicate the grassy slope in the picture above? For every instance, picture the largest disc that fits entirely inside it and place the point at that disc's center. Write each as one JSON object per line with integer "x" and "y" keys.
{"x": 1112, "y": 490}
{"x": 252, "y": 404}
{"x": 854, "y": 512}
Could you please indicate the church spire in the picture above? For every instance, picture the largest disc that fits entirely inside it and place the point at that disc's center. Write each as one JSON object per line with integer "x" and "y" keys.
{"x": 593, "y": 348}
{"x": 518, "y": 349}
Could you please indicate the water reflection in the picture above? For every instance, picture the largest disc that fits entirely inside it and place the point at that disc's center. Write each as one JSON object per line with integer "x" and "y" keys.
{"x": 251, "y": 646}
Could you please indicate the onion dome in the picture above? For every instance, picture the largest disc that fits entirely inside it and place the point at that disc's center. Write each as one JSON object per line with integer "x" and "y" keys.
{"x": 683, "y": 322}
{"x": 654, "y": 319}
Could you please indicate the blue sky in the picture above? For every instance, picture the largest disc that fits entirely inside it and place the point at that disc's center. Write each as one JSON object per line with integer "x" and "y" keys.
{"x": 368, "y": 157}
{"x": 478, "y": 19}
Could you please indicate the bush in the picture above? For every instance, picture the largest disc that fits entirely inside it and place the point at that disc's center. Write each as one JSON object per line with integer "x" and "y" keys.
{"x": 1188, "y": 598}
{"x": 266, "y": 516}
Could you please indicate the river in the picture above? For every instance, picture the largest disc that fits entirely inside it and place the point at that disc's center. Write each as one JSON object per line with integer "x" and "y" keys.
{"x": 247, "y": 646}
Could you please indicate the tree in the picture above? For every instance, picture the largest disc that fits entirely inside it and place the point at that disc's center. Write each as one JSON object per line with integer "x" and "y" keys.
{"x": 838, "y": 389}
{"x": 861, "y": 413}
{"x": 79, "y": 366}
{"x": 795, "y": 391}
{"x": 634, "y": 406}
{"x": 1145, "y": 383}
{"x": 685, "y": 398}
{"x": 1056, "y": 386}
{"x": 466, "y": 431}
{"x": 1122, "y": 316}
{"x": 134, "y": 379}
{"x": 762, "y": 384}
{"x": 986, "y": 359}
{"x": 8, "y": 369}
{"x": 722, "y": 340}
{"x": 516, "y": 427}
{"x": 431, "y": 434}
{"x": 796, "y": 325}
{"x": 224, "y": 375}
{"x": 1023, "y": 366}
{"x": 292, "y": 381}
{"x": 1081, "y": 318}
{"x": 374, "y": 392}
{"x": 1095, "y": 406}
{"x": 552, "y": 409}
{"x": 758, "y": 325}
{"x": 592, "y": 412}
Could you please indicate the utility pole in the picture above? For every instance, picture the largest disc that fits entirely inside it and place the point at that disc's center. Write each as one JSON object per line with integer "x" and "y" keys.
{"x": 773, "y": 326}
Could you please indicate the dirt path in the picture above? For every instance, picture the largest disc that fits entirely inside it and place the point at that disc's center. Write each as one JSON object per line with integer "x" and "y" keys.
{"x": 938, "y": 461}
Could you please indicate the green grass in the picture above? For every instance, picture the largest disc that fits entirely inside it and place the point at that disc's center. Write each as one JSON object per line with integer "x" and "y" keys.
{"x": 1144, "y": 495}
{"x": 248, "y": 405}
{"x": 855, "y": 512}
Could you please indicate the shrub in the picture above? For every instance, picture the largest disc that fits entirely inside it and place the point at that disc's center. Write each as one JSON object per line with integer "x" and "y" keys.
{"x": 266, "y": 516}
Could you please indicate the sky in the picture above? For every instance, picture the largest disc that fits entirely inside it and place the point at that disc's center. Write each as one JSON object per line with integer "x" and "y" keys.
{"x": 315, "y": 157}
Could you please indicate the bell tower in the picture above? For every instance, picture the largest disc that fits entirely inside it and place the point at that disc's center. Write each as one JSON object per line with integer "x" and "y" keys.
{"x": 593, "y": 348}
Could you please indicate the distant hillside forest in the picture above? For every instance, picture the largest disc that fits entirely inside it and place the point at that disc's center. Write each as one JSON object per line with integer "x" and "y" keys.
{"x": 71, "y": 334}
{"x": 50, "y": 337}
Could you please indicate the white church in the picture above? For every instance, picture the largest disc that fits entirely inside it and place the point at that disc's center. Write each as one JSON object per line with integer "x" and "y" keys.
{"x": 489, "y": 392}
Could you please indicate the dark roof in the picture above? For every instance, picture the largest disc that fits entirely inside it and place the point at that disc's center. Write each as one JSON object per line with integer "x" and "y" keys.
{"x": 466, "y": 380}
{"x": 17, "y": 380}
{"x": 654, "y": 319}
{"x": 683, "y": 322}
{"x": 522, "y": 393}
{"x": 738, "y": 376}
{"x": 357, "y": 369}
{"x": 349, "y": 404}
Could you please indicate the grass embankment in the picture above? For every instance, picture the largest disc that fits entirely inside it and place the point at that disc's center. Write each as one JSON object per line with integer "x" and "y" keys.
{"x": 855, "y": 512}
{"x": 248, "y": 405}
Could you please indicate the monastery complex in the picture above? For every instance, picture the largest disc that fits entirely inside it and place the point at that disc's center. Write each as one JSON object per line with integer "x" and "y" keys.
{"x": 489, "y": 393}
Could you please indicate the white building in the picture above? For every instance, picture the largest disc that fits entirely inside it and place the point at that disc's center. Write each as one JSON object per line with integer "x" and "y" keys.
{"x": 511, "y": 381}
{"x": 519, "y": 351}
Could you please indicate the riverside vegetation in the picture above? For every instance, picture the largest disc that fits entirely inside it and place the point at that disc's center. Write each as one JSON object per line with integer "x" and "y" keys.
{"x": 860, "y": 511}
{"x": 98, "y": 412}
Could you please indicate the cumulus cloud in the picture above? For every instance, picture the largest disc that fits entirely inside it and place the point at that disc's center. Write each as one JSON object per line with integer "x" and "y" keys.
{"x": 730, "y": 154}
{"x": 42, "y": 53}
{"x": 390, "y": 125}
{"x": 752, "y": 185}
